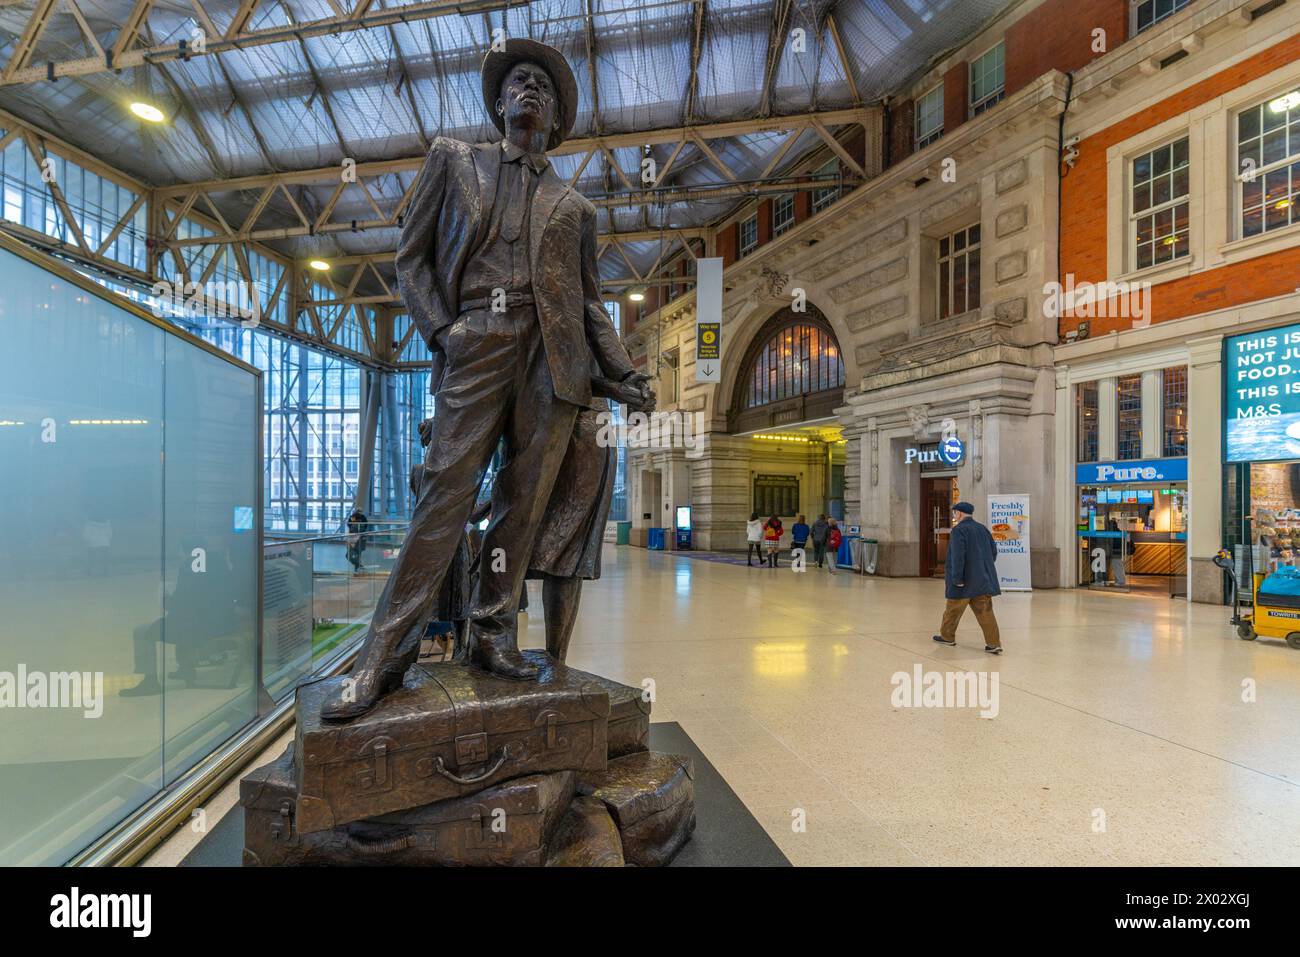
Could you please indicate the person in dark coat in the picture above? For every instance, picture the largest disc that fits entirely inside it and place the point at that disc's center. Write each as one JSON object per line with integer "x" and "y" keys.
{"x": 970, "y": 578}
{"x": 820, "y": 529}
{"x": 358, "y": 524}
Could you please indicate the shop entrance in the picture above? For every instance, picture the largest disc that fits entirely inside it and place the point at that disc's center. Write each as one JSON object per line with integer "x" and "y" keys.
{"x": 1134, "y": 537}
{"x": 937, "y": 497}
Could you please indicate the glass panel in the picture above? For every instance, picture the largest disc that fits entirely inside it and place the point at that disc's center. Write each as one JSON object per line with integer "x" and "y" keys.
{"x": 1129, "y": 413}
{"x": 1248, "y": 124}
{"x": 208, "y": 629}
{"x": 1087, "y": 422}
{"x": 81, "y": 402}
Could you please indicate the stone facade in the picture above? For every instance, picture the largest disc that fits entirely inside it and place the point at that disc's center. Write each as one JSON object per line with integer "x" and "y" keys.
{"x": 868, "y": 264}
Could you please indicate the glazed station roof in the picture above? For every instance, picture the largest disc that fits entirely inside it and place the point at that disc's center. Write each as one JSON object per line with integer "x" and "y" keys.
{"x": 296, "y": 87}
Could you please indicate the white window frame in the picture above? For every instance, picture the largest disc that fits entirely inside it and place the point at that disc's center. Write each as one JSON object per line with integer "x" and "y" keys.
{"x": 1291, "y": 117}
{"x": 944, "y": 265}
{"x": 780, "y": 226}
{"x": 990, "y": 99}
{"x": 1135, "y": 216}
{"x": 1135, "y": 5}
{"x": 746, "y": 223}
{"x": 922, "y": 137}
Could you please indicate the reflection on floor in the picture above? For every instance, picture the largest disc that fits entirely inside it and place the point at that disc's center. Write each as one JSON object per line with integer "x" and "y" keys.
{"x": 1122, "y": 736}
{"x": 1129, "y": 730}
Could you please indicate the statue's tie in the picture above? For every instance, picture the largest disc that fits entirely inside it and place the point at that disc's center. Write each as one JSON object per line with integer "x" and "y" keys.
{"x": 513, "y": 223}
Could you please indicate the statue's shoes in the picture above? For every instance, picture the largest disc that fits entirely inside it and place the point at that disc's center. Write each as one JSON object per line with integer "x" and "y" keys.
{"x": 359, "y": 694}
{"x": 503, "y": 662}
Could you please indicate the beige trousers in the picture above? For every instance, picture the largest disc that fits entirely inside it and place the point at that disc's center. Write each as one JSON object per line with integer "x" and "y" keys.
{"x": 983, "y": 608}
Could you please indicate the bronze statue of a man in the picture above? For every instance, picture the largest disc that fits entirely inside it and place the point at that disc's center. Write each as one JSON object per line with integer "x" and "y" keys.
{"x": 497, "y": 268}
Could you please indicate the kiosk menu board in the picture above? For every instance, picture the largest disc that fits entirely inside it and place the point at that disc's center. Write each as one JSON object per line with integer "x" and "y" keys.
{"x": 1262, "y": 395}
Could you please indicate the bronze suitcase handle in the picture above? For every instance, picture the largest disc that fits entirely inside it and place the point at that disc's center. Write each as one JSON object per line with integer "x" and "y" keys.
{"x": 473, "y": 779}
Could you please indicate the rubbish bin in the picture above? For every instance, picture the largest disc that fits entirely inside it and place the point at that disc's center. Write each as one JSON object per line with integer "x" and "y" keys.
{"x": 870, "y": 554}
{"x": 623, "y": 533}
{"x": 844, "y": 555}
{"x": 656, "y": 539}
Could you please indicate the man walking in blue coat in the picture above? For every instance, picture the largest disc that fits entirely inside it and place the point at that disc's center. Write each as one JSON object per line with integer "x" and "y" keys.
{"x": 970, "y": 578}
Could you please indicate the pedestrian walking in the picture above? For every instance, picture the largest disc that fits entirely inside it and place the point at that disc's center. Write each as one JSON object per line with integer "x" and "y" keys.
{"x": 970, "y": 578}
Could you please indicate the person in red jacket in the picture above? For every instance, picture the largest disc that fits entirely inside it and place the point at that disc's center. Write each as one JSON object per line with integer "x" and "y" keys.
{"x": 833, "y": 540}
{"x": 772, "y": 537}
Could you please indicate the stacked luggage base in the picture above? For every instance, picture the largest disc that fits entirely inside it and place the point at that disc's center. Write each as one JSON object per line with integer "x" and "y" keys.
{"x": 461, "y": 768}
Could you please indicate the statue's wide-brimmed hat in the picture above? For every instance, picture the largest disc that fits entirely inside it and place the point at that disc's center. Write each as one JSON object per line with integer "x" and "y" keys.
{"x": 518, "y": 50}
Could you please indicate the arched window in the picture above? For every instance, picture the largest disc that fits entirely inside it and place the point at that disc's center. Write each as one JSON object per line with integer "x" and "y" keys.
{"x": 792, "y": 370}
{"x": 798, "y": 359}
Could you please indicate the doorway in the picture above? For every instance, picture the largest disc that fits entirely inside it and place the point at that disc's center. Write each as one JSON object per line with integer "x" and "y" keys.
{"x": 937, "y": 497}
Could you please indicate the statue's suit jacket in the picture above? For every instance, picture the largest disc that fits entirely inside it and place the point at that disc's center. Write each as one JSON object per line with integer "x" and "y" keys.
{"x": 444, "y": 223}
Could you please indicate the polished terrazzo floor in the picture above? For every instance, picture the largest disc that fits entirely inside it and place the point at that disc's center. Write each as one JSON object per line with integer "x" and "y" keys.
{"x": 1122, "y": 735}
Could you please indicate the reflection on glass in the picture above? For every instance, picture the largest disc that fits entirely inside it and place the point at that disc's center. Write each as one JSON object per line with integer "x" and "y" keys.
{"x": 102, "y": 603}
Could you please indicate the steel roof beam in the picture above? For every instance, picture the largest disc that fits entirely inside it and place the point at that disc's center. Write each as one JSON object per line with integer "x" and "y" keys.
{"x": 236, "y": 37}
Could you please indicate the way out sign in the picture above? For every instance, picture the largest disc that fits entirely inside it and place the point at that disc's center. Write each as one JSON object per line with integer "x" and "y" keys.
{"x": 708, "y": 320}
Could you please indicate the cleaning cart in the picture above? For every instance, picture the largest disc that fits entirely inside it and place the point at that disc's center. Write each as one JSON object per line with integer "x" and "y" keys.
{"x": 1276, "y": 600}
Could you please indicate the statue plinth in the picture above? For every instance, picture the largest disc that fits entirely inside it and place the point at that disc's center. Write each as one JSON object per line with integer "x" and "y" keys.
{"x": 461, "y": 767}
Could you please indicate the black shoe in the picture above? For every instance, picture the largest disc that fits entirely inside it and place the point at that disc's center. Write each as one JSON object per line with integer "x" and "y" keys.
{"x": 944, "y": 641}
{"x": 993, "y": 651}
{"x": 150, "y": 686}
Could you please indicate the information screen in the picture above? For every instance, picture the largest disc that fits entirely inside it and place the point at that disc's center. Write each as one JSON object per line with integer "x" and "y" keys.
{"x": 1262, "y": 402}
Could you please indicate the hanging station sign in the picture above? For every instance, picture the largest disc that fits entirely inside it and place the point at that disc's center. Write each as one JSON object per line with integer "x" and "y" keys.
{"x": 708, "y": 320}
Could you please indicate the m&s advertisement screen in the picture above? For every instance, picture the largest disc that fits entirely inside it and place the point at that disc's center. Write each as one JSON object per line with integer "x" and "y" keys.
{"x": 1262, "y": 403}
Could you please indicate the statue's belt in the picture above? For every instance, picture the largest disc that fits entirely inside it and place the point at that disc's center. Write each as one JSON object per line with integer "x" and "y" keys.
{"x": 512, "y": 300}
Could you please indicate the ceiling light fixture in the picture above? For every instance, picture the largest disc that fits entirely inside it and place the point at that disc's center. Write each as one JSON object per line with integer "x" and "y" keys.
{"x": 319, "y": 265}
{"x": 147, "y": 111}
{"x": 636, "y": 296}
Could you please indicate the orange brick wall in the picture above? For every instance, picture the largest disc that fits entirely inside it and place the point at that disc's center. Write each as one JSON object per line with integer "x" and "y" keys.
{"x": 1083, "y": 212}
{"x": 956, "y": 96}
{"x": 1058, "y": 36}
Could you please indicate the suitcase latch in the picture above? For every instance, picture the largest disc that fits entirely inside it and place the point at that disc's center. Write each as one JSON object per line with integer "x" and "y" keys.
{"x": 480, "y": 834}
{"x": 551, "y": 719}
{"x": 471, "y": 749}
{"x": 375, "y": 776}
{"x": 282, "y": 826}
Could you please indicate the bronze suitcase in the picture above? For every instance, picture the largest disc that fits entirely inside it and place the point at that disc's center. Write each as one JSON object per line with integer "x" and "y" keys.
{"x": 629, "y": 712}
{"x": 586, "y": 837}
{"x": 509, "y": 825}
{"x": 449, "y": 731}
{"x": 651, "y": 797}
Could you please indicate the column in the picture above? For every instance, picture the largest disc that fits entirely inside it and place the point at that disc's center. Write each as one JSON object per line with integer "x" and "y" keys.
{"x": 1153, "y": 408}
{"x": 1204, "y": 467}
{"x": 1107, "y": 420}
